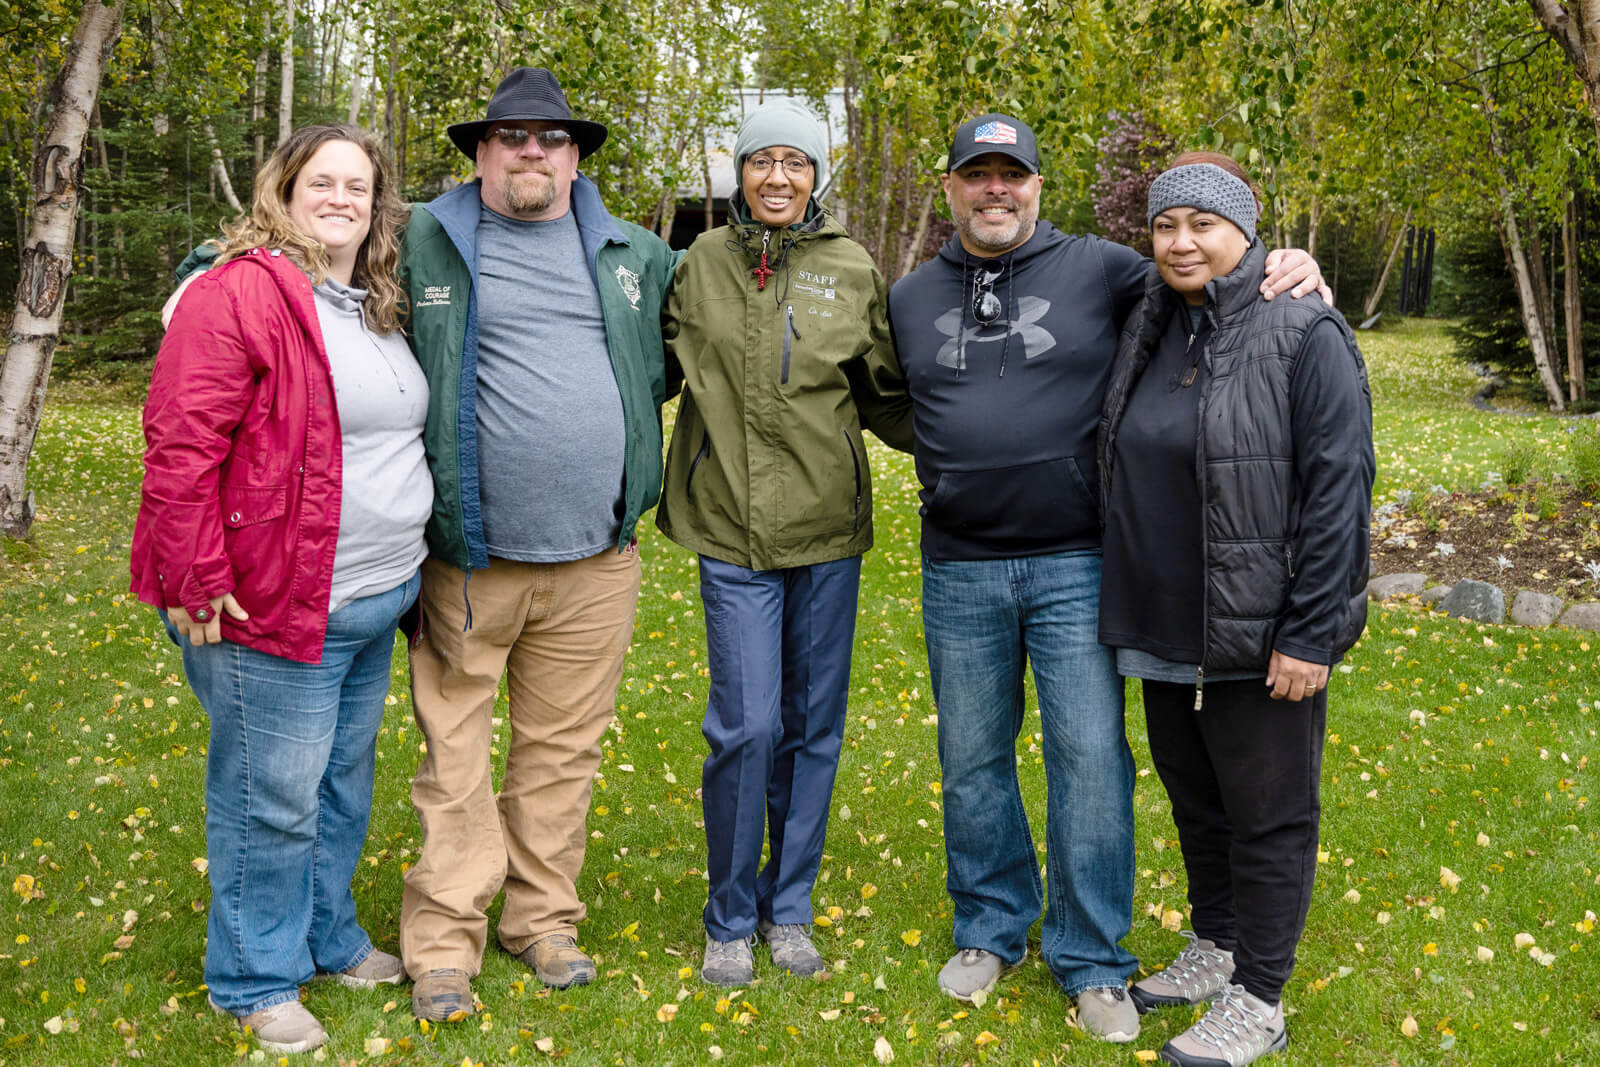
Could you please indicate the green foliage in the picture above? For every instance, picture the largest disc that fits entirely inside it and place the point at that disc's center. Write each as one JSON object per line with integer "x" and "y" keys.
{"x": 1519, "y": 462}
{"x": 1583, "y": 459}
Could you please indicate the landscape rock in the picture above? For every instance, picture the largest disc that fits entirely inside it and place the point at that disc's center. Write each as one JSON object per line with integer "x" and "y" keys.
{"x": 1475, "y": 600}
{"x": 1435, "y": 593}
{"x": 1536, "y": 609}
{"x": 1583, "y": 616}
{"x": 1392, "y": 585}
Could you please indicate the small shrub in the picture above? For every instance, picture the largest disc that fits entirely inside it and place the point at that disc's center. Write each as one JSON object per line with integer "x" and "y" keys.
{"x": 1518, "y": 463}
{"x": 1583, "y": 458}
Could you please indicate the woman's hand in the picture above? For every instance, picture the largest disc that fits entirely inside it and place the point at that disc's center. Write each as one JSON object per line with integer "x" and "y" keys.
{"x": 1295, "y": 679}
{"x": 210, "y": 631}
{"x": 1293, "y": 267}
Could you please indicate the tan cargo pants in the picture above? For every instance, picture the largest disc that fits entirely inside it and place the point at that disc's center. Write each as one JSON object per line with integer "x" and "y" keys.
{"x": 560, "y": 631}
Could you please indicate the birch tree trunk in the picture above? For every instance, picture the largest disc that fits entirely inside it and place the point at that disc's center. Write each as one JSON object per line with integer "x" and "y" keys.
{"x": 219, "y": 170}
{"x": 47, "y": 255}
{"x": 258, "y": 100}
{"x": 1572, "y": 299}
{"x": 1375, "y": 297}
{"x": 353, "y": 115}
{"x": 1516, "y": 253}
{"x": 1575, "y": 25}
{"x": 286, "y": 86}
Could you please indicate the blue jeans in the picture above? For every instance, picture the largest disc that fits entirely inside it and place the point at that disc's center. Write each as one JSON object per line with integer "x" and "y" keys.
{"x": 778, "y": 643}
{"x": 984, "y": 620}
{"x": 288, "y": 795}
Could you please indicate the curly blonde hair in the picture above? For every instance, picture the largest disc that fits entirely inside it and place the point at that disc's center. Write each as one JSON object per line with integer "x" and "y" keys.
{"x": 269, "y": 225}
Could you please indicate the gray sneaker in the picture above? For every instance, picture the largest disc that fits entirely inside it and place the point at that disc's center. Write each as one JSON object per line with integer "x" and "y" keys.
{"x": 1238, "y": 1029}
{"x": 1200, "y": 972}
{"x": 970, "y": 971}
{"x": 728, "y": 963}
{"x": 1108, "y": 1013}
{"x": 792, "y": 949}
{"x": 286, "y": 1027}
{"x": 379, "y": 968}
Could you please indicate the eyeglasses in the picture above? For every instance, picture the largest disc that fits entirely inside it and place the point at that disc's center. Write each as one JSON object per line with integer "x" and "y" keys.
{"x": 794, "y": 166}
{"x": 515, "y": 137}
{"x": 986, "y": 307}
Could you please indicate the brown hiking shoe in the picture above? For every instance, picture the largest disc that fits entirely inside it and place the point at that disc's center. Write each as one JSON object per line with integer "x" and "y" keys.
{"x": 558, "y": 962}
{"x": 442, "y": 996}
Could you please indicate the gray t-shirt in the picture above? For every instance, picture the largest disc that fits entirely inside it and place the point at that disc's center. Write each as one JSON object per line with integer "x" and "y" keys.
{"x": 550, "y": 430}
{"x": 386, "y": 492}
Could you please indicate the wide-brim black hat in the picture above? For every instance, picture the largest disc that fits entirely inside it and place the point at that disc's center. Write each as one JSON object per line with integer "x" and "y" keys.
{"x": 531, "y": 94}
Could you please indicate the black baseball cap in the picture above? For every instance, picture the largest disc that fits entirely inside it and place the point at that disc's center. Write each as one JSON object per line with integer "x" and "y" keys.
{"x": 994, "y": 133}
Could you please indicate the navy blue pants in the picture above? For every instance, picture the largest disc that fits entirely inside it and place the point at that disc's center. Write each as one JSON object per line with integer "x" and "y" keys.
{"x": 778, "y": 645}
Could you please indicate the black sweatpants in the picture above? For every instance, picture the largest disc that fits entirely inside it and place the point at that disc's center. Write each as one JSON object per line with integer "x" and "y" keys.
{"x": 1243, "y": 775}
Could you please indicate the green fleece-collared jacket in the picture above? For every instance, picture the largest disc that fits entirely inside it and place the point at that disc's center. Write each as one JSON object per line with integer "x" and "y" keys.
{"x": 630, "y": 267}
{"x": 767, "y": 467}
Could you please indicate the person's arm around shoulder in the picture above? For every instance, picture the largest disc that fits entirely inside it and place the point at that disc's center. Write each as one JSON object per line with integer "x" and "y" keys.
{"x": 200, "y": 388}
{"x": 1331, "y": 417}
{"x": 1294, "y": 270}
{"x": 877, "y": 382}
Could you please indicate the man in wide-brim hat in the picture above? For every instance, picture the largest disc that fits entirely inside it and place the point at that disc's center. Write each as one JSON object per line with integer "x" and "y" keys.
{"x": 536, "y": 317}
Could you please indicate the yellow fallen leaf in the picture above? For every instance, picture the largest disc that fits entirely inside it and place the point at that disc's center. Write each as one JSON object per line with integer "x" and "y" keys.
{"x": 1430, "y": 949}
{"x": 829, "y": 1015}
{"x": 822, "y": 921}
{"x": 376, "y": 1046}
{"x": 1352, "y": 896}
{"x": 985, "y": 1038}
{"x": 913, "y": 938}
{"x": 124, "y": 942}
{"x": 23, "y": 886}
{"x": 1145, "y": 1055}
{"x": 1172, "y": 919}
{"x": 666, "y": 1013}
{"x": 53, "y": 1025}
{"x": 1483, "y": 839}
{"x": 201, "y": 864}
{"x": 869, "y": 891}
{"x": 1524, "y": 941}
{"x": 545, "y": 1044}
{"x": 1408, "y": 1026}
{"x": 685, "y": 972}
{"x": 1449, "y": 879}
{"x": 882, "y": 1051}
{"x": 1485, "y": 953}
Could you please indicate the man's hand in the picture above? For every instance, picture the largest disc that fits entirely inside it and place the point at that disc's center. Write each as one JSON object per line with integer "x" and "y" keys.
{"x": 1292, "y": 267}
{"x": 210, "y": 631}
{"x": 1295, "y": 679}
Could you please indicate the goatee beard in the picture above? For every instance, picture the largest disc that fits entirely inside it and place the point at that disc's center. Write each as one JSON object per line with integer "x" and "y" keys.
{"x": 530, "y": 198}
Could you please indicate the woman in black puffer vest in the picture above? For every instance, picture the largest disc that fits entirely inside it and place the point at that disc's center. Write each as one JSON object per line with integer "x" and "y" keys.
{"x": 1236, "y": 481}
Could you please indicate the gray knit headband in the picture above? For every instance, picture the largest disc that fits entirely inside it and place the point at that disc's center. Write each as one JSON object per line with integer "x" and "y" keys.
{"x": 1205, "y": 187}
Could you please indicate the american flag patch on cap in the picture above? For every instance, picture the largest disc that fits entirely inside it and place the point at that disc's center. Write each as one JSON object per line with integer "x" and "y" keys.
{"x": 995, "y": 133}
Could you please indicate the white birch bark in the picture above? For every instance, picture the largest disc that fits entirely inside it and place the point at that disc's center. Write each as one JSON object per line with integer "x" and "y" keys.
{"x": 47, "y": 254}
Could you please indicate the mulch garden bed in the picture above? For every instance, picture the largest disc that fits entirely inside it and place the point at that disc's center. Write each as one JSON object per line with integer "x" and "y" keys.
{"x": 1542, "y": 536}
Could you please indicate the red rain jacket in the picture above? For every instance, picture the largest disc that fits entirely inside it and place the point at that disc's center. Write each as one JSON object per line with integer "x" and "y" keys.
{"x": 242, "y": 459}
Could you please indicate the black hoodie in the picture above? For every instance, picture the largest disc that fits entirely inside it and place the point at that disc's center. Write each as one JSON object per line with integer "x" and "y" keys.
{"x": 1006, "y": 414}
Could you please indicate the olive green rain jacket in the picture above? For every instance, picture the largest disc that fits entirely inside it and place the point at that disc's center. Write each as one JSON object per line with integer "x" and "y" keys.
{"x": 780, "y": 373}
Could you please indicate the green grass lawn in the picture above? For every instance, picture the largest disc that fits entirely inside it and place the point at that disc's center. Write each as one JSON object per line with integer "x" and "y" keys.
{"x": 1453, "y": 921}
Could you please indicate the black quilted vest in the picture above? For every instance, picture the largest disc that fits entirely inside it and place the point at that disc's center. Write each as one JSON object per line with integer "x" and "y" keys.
{"x": 1245, "y": 454}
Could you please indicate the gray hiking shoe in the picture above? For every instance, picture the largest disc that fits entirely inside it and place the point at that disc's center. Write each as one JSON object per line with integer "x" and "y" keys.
{"x": 379, "y": 968}
{"x": 1238, "y": 1029}
{"x": 1108, "y": 1013}
{"x": 970, "y": 971}
{"x": 792, "y": 949}
{"x": 1200, "y": 972}
{"x": 728, "y": 963}
{"x": 286, "y": 1027}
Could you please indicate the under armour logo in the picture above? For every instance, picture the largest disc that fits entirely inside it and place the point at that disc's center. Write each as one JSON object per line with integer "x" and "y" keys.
{"x": 1036, "y": 340}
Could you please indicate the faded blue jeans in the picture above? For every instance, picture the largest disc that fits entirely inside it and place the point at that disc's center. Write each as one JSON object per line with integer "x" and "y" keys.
{"x": 288, "y": 795}
{"x": 984, "y": 621}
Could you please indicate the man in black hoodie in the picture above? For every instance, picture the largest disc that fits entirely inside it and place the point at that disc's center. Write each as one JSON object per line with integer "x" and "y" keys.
{"x": 1007, "y": 338}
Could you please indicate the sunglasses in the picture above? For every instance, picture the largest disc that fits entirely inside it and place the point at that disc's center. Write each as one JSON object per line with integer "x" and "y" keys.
{"x": 515, "y": 137}
{"x": 986, "y": 307}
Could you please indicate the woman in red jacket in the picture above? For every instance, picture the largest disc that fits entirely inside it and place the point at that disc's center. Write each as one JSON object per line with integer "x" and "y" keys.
{"x": 280, "y": 531}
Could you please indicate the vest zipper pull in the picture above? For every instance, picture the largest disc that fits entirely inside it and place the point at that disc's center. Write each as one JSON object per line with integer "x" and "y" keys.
{"x": 1199, "y": 687}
